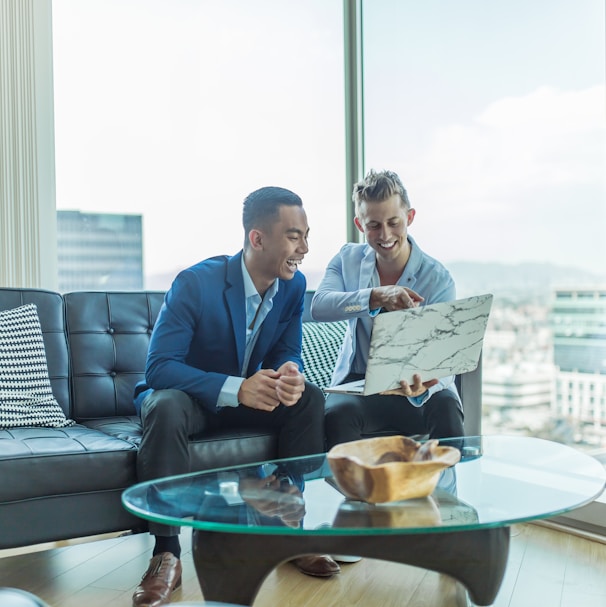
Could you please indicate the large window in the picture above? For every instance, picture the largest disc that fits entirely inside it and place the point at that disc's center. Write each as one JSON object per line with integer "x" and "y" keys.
{"x": 174, "y": 110}
{"x": 493, "y": 114}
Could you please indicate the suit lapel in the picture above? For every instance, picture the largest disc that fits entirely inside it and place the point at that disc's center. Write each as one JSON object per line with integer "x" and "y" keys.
{"x": 409, "y": 276}
{"x": 234, "y": 296}
{"x": 367, "y": 267}
{"x": 266, "y": 333}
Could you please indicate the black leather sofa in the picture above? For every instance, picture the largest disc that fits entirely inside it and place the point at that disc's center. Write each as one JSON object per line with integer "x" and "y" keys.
{"x": 61, "y": 483}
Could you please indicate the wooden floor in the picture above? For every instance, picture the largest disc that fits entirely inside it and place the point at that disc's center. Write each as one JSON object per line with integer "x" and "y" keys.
{"x": 546, "y": 568}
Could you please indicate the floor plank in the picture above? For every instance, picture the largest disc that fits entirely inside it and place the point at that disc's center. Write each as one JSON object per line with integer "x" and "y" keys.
{"x": 545, "y": 567}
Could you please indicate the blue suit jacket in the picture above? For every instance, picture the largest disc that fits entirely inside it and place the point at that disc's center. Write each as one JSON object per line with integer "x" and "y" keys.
{"x": 200, "y": 335}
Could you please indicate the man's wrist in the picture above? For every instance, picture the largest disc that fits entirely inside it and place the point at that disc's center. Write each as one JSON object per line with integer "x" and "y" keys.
{"x": 228, "y": 397}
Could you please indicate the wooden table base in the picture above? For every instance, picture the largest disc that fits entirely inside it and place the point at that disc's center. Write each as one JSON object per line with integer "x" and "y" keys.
{"x": 231, "y": 567}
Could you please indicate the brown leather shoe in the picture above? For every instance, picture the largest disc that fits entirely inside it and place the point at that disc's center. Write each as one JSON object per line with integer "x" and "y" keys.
{"x": 318, "y": 565}
{"x": 162, "y": 576}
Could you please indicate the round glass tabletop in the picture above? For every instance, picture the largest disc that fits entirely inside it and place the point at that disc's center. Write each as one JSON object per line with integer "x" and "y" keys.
{"x": 500, "y": 480}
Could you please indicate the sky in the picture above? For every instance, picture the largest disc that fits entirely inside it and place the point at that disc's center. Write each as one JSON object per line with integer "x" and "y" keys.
{"x": 493, "y": 114}
{"x": 502, "y": 123}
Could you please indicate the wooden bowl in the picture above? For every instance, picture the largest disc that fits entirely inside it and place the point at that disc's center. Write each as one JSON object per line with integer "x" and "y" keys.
{"x": 390, "y": 468}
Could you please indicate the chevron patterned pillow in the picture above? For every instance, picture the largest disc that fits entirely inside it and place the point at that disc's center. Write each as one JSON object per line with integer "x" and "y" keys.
{"x": 26, "y": 396}
{"x": 321, "y": 344}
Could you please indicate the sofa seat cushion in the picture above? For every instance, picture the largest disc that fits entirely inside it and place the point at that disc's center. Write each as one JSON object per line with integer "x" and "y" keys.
{"x": 211, "y": 449}
{"x": 237, "y": 447}
{"x": 40, "y": 462}
{"x": 125, "y": 427}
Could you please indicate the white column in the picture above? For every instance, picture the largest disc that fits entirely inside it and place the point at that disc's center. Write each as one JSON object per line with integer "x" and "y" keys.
{"x": 28, "y": 221}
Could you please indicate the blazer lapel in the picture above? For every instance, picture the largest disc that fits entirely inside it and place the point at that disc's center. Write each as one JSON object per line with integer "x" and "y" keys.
{"x": 367, "y": 267}
{"x": 266, "y": 332}
{"x": 234, "y": 296}
{"x": 409, "y": 276}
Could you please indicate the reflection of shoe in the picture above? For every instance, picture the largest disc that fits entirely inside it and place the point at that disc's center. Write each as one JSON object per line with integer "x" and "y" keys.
{"x": 162, "y": 576}
{"x": 344, "y": 558}
{"x": 340, "y": 558}
{"x": 316, "y": 565}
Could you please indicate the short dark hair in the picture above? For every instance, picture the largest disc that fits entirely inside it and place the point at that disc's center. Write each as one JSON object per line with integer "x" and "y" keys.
{"x": 262, "y": 207}
{"x": 379, "y": 186}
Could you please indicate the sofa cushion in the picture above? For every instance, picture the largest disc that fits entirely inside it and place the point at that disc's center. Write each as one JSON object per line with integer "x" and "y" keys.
{"x": 210, "y": 449}
{"x": 321, "y": 344}
{"x": 125, "y": 427}
{"x": 26, "y": 396}
{"x": 41, "y": 462}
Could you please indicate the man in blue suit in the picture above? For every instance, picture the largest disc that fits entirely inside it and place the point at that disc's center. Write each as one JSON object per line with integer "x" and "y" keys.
{"x": 226, "y": 352}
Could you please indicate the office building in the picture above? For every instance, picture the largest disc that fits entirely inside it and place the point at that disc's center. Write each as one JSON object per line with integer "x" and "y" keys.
{"x": 578, "y": 320}
{"x": 99, "y": 251}
{"x": 518, "y": 397}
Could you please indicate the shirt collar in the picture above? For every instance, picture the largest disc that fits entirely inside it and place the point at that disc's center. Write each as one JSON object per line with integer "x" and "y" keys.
{"x": 249, "y": 286}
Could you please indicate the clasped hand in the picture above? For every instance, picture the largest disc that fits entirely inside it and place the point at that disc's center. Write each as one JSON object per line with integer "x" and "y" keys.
{"x": 267, "y": 388}
{"x": 271, "y": 498}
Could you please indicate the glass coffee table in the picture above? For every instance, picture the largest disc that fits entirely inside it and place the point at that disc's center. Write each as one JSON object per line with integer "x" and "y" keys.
{"x": 247, "y": 520}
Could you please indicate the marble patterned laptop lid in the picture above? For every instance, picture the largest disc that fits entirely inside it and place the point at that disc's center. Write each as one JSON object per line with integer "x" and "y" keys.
{"x": 434, "y": 341}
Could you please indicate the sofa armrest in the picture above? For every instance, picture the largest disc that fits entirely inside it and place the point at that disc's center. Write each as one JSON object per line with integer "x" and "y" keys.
{"x": 469, "y": 386}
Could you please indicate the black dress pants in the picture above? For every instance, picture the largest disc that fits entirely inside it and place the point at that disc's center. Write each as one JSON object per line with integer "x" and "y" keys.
{"x": 171, "y": 417}
{"x": 350, "y": 417}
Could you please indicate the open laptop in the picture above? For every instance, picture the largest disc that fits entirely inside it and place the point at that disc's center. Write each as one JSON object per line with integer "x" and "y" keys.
{"x": 434, "y": 341}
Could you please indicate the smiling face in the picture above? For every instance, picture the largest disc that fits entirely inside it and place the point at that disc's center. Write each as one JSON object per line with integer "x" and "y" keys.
{"x": 385, "y": 226}
{"x": 277, "y": 250}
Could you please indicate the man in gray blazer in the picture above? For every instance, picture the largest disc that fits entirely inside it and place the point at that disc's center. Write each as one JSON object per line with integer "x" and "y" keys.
{"x": 389, "y": 272}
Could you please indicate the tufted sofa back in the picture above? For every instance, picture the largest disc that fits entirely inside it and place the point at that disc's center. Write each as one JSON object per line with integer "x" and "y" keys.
{"x": 108, "y": 335}
{"x": 103, "y": 337}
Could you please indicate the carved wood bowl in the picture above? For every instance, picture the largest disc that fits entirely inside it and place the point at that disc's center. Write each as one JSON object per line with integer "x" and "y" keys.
{"x": 390, "y": 468}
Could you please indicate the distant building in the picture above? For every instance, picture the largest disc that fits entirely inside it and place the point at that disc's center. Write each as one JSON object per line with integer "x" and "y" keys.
{"x": 518, "y": 375}
{"x": 518, "y": 397}
{"x": 99, "y": 251}
{"x": 578, "y": 319}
